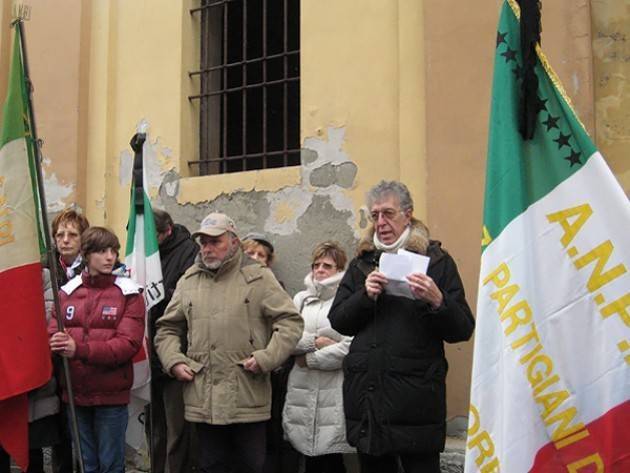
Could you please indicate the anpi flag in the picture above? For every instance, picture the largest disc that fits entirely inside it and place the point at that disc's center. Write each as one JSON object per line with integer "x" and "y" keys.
{"x": 551, "y": 371}
{"x": 142, "y": 258}
{"x": 24, "y": 353}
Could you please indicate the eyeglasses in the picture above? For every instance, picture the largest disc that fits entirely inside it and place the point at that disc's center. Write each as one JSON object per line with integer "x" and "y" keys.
{"x": 326, "y": 266}
{"x": 388, "y": 214}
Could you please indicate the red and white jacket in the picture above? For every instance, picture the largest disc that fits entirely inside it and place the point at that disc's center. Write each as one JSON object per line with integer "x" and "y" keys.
{"x": 104, "y": 315}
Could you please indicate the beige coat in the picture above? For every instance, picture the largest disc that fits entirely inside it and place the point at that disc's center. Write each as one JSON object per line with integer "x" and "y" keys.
{"x": 226, "y": 316}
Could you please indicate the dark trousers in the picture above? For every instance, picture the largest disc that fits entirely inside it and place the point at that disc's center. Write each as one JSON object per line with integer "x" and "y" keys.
{"x": 331, "y": 463}
{"x": 411, "y": 463}
{"x": 5, "y": 461}
{"x": 35, "y": 461}
{"x": 62, "y": 452}
{"x": 233, "y": 448}
{"x": 281, "y": 456}
{"x": 170, "y": 433}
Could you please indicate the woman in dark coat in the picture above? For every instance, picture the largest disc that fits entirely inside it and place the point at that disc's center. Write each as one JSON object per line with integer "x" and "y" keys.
{"x": 394, "y": 374}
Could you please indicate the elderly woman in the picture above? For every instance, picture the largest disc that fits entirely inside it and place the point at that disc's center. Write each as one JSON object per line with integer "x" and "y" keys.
{"x": 258, "y": 247}
{"x": 394, "y": 385}
{"x": 312, "y": 417}
{"x": 103, "y": 329}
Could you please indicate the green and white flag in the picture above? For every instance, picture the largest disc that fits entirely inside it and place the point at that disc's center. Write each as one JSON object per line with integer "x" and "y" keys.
{"x": 142, "y": 255}
{"x": 550, "y": 387}
{"x": 142, "y": 258}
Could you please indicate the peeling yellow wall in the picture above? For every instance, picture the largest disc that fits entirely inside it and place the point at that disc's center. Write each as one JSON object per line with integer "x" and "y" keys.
{"x": 52, "y": 38}
{"x": 611, "y": 67}
{"x": 142, "y": 74}
{"x": 204, "y": 188}
{"x": 54, "y": 31}
{"x": 365, "y": 72}
{"x": 135, "y": 74}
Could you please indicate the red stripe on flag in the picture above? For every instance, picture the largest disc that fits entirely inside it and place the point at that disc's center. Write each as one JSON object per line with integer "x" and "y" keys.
{"x": 603, "y": 446}
{"x": 14, "y": 428}
{"x": 24, "y": 352}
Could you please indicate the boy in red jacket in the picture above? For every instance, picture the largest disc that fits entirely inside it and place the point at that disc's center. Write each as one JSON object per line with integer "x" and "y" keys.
{"x": 103, "y": 329}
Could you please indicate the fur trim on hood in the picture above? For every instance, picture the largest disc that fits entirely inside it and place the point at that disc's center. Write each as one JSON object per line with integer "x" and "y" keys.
{"x": 418, "y": 239}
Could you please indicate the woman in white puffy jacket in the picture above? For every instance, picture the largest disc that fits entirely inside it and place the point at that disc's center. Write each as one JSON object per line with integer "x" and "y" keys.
{"x": 313, "y": 417}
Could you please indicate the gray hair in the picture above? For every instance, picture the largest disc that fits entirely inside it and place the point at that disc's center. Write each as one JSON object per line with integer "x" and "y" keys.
{"x": 395, "y": 188}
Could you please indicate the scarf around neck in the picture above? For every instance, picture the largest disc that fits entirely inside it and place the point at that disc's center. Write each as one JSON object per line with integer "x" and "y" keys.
{"x": 393, "y": 247}
{"x": 318, "y": 290}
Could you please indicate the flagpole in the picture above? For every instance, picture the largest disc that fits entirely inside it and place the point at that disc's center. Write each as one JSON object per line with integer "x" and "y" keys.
{"x": 137, "y": 145}
{"x": 49, "y": 251}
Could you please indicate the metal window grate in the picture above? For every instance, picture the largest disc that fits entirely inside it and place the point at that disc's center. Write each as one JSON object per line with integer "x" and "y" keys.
{"x": 249, "y": 85}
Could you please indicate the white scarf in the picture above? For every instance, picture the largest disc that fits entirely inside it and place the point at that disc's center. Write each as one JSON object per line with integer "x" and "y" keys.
{"x": 70, "y": 270}
{"x": 393, "y": 247}
{"x": 318, "y": 290}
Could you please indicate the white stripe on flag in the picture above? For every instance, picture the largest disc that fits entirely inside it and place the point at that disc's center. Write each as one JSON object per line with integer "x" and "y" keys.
{"x": 566, "y": 314}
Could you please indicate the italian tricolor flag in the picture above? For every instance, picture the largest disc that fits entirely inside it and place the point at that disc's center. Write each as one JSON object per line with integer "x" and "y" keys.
{"x": 24, "y": 353}
{"x": 142, "y": 258}
{"x": 551, "y": 370}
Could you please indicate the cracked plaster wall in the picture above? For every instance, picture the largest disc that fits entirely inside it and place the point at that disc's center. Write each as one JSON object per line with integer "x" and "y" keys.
{"x": 54, "y": 39}
{"x": 58, "y": 194}
{"x": 294, "y": 217}
{"x": 611, "y": 65}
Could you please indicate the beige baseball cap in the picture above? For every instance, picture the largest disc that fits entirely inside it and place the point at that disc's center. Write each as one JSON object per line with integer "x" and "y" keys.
{"x": 215, "y": 224}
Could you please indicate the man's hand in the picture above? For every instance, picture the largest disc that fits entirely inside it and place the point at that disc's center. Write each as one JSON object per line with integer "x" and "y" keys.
{"x": 374, "y": 284}
{"x": 63, "y": 344}
{"x": 182, "y": 372}
{"x": 321, "y": 342}
{"x": 424, "y": 288}
{"x": 250, "y": 364}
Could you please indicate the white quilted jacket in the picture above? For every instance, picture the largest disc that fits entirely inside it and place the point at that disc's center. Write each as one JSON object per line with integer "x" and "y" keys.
{"x": 313, "y": 417}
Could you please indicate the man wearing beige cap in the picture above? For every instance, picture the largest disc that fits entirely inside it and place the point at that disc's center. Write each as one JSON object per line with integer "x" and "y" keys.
{"x": 240, "y": 325}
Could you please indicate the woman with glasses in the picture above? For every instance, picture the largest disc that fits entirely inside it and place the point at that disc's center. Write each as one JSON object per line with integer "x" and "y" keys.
{"x": 313, "y": 412}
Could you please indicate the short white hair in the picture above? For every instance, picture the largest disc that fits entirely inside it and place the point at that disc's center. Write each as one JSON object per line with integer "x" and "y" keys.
{"x": 396, "y": 188}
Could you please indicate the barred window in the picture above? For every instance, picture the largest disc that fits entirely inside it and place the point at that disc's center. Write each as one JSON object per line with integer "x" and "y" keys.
{"x": 249, "y": 81}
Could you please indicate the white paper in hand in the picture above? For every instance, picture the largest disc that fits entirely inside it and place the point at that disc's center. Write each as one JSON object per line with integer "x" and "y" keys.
{"x": 396, "y": 268}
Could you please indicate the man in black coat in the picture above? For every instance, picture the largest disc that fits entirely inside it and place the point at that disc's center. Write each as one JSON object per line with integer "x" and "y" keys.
{"x": 394, "y": 375}
{"x": 170, "y": 433}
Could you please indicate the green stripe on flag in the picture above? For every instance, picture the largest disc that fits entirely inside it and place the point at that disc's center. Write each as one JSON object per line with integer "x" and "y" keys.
{"x": 16, "y": 123}
{"x": 14, "y": 112}
{"x": 150, "y": 233}
{"x": 521, "y": 172}
{"x": 131, "y": 223}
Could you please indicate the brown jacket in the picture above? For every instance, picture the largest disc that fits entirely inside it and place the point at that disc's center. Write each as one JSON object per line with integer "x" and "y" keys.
{"x": 227, "y": 316}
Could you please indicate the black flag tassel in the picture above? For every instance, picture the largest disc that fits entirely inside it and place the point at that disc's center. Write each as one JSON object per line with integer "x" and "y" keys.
{"x": 137, "y": 141}
{"x": 530, "y": 36}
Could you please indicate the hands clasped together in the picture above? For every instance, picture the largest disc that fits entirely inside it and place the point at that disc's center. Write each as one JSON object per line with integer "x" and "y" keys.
{"x": 183, "y": 372}
{"x": 320, "y": 342}
{"x": 422, "y": 287}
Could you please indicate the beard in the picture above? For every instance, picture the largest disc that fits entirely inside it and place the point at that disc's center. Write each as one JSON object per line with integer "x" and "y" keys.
{"x": 214, "y": 263}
